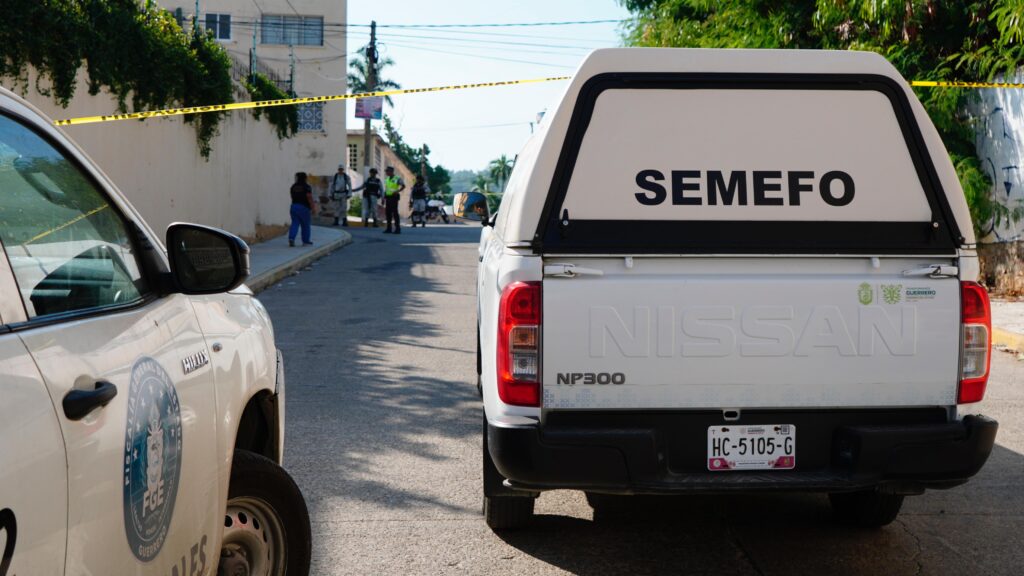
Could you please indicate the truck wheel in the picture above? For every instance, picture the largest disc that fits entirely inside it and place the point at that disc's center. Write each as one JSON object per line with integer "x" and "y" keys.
{"x": 866, "y": 508}
{"x": 503, "y": 511}
{"x": 609, "y": 506}
{"x": 266, "y": 524}
{"x": 508, "y": 512}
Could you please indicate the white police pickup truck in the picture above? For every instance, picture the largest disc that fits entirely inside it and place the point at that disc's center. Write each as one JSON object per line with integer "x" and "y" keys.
{"x": 728, "y": 270}
{"x": 141, "y": 394}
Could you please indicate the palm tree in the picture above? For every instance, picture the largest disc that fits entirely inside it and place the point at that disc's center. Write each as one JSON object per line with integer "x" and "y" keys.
{"x": 358, "y": 74}
{"x": 358, "y": 81}
{"x": 481, "y": 184}
{"x": 501, "y": 168}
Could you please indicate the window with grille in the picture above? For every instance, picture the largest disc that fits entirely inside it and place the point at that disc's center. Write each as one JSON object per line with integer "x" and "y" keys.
{"x": 353, "y": 156}
{"x": 219, "y": 25}
{"x": 292, "y": 30}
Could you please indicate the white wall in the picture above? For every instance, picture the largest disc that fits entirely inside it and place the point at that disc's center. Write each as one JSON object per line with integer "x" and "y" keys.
{"x": 156, "y": 163}
{"x": 319, "y": 70}
{"x": 999, "y": 114}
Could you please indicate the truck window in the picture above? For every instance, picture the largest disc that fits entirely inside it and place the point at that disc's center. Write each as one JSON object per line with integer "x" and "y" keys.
{"x": 720, "y": 163}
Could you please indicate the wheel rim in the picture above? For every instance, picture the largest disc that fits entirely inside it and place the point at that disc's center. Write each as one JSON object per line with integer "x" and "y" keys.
{"x": 253, "y": 529}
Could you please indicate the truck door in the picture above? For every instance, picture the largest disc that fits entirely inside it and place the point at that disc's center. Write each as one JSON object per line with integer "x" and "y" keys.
{"x": 33, "y": 474}
{"x": 140, "y": 427}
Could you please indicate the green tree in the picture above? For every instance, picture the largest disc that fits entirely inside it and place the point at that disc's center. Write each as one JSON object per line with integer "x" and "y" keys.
{"x": 358, "y": 75}
{"x": 482, "y": 184}
{"x": 438, "y": 177}
{"x": 359, "y": 81}
{"x": 500, "y": 169}
{"x": 924, "y": 39}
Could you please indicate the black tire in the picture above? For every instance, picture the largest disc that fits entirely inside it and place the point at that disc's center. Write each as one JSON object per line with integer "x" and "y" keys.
{"x": 445, "y": 218}
{"x": 865, "y": 509}
{"x": 258, "y": 482}
{"x": 508, "y": 512}
{"x": 609, "y": 506}
{"x": 502, "y": 510}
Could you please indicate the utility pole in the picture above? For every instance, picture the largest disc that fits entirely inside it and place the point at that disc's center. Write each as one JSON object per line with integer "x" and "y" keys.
{"x": 371, "y": 85}
{"x": 252, "y": 55}
{"x": 291, "y": 72}
{"x": 423, "y": 162}
{"x": 195, "y": 20}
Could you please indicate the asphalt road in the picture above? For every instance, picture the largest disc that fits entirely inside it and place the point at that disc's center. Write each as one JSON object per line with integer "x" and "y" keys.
{"x": 384, "y": 440}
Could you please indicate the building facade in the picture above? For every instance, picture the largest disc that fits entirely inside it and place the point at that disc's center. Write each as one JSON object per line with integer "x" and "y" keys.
{"x": 381, "y": 156}
{"x": 243, "y": 186}
{"x": 299, "y": 45}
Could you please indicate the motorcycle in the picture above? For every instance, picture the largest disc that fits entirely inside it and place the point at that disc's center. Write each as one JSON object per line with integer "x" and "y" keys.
{"x": 435, "y": 211}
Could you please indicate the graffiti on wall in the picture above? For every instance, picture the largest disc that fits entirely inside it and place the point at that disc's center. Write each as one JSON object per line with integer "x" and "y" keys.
{"x": 999, "y": 137}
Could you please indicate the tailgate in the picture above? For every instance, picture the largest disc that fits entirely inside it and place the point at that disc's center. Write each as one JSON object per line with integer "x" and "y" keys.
{"x": 749, "y": 333}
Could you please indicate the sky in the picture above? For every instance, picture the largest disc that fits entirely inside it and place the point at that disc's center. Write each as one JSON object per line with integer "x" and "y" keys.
{"x": 467, "y": 129}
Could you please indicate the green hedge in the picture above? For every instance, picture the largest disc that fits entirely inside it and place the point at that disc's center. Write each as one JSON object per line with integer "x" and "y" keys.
{"x": 134, "y": 50}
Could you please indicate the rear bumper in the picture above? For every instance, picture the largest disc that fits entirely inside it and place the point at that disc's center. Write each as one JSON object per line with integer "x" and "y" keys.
{"x": 663, "y": 453}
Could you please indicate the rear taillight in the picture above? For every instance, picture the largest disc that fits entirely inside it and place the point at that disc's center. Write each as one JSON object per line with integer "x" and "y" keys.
{"x": 976, "y": 342}
{"x": 519, "y": 322}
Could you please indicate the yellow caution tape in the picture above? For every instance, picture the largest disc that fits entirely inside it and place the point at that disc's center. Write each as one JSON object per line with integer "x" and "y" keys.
{"x": 933, "y": 84}
{"x": 310, "y": 99}
{"x": 290, "y": 101}
{"x": 74, "y": 220}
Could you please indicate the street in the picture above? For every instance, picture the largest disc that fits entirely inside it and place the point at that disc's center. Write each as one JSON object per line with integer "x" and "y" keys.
{"x": 383, "y": 438}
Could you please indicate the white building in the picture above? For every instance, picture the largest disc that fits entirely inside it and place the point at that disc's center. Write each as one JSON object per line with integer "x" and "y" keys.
{"x": 300, "y": 44}
{"x": 243, "y": 186}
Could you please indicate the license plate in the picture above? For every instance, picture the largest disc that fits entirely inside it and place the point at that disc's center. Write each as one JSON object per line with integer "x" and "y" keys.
{"x": 762, "y": 447}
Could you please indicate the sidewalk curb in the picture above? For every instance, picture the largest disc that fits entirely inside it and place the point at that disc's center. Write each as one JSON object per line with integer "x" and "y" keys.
{"x": 259, "y": 282}
{"x": 1008, "y": 340}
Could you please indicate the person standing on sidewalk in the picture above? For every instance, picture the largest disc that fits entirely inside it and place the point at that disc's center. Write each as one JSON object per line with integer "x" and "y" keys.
{"x": 418, "y": 202}
{"x": 371, "y": 188}
{"x": 341, "y": 191}
{"x": 302, "y": 211}
{"x": 393, "y": 186}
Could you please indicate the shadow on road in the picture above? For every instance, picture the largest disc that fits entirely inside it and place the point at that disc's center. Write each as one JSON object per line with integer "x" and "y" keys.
{"x": 384, "y": 425}
{"x": 379, "y": 379}
{"x": 969, "y": 529}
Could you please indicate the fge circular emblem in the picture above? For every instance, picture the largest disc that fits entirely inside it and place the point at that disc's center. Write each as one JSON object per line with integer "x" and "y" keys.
{"x": 152, "y": 458}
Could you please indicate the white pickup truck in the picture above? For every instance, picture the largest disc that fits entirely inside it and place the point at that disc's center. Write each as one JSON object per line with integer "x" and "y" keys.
{"x": 141, "y": 394}
{"x": 730, "y": 270}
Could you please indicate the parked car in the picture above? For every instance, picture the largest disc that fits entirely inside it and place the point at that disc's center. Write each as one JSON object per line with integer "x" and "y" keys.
{"x": 141, "y": 393}
{"x": 732, "y": 271}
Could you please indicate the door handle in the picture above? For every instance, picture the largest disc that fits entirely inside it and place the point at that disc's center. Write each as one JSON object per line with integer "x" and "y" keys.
{"x": 79, "y": 403}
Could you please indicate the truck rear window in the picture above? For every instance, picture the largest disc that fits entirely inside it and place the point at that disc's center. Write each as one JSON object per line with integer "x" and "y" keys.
{"x": 738, "y": 163}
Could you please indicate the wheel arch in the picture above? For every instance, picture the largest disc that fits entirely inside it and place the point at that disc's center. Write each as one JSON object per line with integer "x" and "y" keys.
{"x": 258, "y": 428}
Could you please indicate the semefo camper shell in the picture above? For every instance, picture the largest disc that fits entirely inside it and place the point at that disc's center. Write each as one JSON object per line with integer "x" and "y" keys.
{"x": 721, "y": 270}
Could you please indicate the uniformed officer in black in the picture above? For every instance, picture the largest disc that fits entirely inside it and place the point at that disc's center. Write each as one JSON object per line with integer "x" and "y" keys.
{"x": 371, "y": 188}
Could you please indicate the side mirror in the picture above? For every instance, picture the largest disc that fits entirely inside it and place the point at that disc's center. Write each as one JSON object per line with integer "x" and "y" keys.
{"x": 471, "y": 206}
{"x": 206, "y": 260}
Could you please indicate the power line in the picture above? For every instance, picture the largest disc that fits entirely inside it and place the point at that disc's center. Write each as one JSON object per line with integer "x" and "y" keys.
{"x": 500, "y": 25}
{"x": 500, "y": 49}
{"x": 454, "y": 128}
{"x": 502, "y": 42}
{"x": 480, "y": 56}
{"x": 502, "y": 34}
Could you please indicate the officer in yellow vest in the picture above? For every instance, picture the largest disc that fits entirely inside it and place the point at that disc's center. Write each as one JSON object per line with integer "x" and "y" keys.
{"x": 393, "y": 186}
